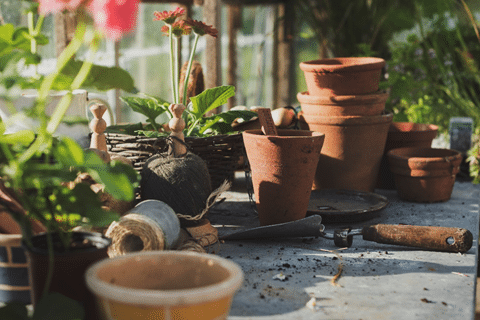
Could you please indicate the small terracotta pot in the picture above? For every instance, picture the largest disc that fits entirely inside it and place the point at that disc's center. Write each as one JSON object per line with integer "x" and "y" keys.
{"x": 345, "y": 105}
{"x": 424, "y": 174}
{"x": 343, "y": 76}
{"x": 404, "y": 135}
{"x": 283, "y": 168}
{"x": 68, "y": 268}
{"x": 14, "y": 284}
{"x": 164, "y": 285}
{"x": 352, "y": 150}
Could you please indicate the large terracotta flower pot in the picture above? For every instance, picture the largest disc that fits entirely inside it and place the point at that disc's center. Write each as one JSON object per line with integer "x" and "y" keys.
{"x": 69, "y": 267}
{"x": 14, "y": 284}
{"x": 344, "y": 105}
{"x": 352, "y": 150}
{"x": 424, "y": 174}
{"x": 282, "y": 168}
{"x": 404, "y": 135}
{"x": 343, "y": 76}
{"x": 165, "y": 285}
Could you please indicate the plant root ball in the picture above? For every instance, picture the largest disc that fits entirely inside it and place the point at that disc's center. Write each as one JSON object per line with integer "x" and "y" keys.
{"x": 183, "y": 183}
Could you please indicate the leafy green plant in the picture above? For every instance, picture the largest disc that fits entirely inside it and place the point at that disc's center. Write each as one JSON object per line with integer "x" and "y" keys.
{"x": 197, "y": 123}
{"x": 435, "y": 75}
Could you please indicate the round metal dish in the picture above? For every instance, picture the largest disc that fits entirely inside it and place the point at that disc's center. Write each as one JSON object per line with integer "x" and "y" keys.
{"x": 345, "y": 205}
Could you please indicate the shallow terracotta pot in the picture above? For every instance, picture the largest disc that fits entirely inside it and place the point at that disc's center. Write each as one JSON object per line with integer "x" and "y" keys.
{"x": 424, "y": 174}
{"x": 282, "y": 168}
{"x": 404, "y": 135}
{"x": 14, "y": 284}
{"x": 343, "y": 76}
{"x": 164, "y": 285}
{"x": 68, "y": 268}
{"x": 352, "y": 150}
{"x": 344, "y": 105}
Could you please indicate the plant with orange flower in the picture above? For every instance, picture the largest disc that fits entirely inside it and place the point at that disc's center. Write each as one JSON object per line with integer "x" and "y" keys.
{"x": 197, "y": 123}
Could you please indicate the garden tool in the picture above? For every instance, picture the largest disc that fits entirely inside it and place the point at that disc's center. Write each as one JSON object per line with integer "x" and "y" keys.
{"x": 425, "y": 237}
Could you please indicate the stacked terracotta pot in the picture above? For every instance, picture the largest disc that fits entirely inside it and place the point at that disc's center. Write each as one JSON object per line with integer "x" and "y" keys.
{"x": 343, "y": 102}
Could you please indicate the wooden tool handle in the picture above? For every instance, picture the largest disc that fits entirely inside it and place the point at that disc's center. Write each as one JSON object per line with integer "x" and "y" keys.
{"x": 430, "y": 238}
{"x": 266, "y": 121}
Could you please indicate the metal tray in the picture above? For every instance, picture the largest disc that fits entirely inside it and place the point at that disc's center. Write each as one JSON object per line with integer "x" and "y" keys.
{"x": 345, "y": 205}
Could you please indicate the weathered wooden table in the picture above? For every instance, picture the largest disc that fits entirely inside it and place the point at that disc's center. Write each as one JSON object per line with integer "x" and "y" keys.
{"x": 378, "y": 281}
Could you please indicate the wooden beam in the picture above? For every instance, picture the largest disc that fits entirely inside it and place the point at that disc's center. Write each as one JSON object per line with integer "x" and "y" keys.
{"x": 234, "y": 24}
{"x": 65, "y": 24}
{"x": 283, "y": 59}
{"x": 213, "y": 63}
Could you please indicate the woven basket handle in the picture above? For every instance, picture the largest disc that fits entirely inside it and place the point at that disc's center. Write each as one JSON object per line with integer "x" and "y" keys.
{"x": 177, "y": 124}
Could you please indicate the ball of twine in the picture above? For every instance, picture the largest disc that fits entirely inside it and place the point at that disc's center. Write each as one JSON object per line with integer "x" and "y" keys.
{"x": 133, "y": 233}
{"x": 183, "y": 183}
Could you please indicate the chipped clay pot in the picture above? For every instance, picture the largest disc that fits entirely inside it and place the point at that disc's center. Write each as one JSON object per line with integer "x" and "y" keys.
{"x": 424, "y": 174}
{"x": 404, "y": 135}
{"x": 344, "y": 105}
{"x": 164, "y": 285}
{"x": 352, "y": 150}
{"x": 343, "y": 76}
{"x": 282, "y": 168}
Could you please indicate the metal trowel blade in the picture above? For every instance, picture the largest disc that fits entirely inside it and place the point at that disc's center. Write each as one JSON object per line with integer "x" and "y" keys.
{"x": 307, "y": 227}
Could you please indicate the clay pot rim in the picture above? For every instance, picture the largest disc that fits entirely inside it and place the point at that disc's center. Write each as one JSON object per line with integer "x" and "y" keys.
{"x": 380, "y": 96}
{"x": 396, "y": 129}
{"x": 342, "y": 64}
{"x": 386, "y": 116}
{"x": 150, "y": 297}
{"x": 411, "y": 155}
{"x": 259, "y": 132}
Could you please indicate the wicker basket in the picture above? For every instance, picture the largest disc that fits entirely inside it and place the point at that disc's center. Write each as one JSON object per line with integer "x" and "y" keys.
{"x": 221, "y": 153}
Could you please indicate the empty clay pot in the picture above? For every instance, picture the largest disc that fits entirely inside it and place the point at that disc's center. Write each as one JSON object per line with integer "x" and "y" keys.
{"x": 282, "y": 168}
{"x": 424, "y": 174}
{"x": 404, "y": 135}
{"x": 352, "y": 150}
{"x": 343, "y": 76}
{"x": 345, "y": 105}
{"x": 164, "y": 285}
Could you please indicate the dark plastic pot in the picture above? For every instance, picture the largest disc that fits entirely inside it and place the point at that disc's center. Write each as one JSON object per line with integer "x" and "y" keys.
{"x": 69, "y": 267}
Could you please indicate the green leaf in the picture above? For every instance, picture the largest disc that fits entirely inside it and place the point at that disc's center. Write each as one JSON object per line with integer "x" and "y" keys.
{"x": 125, "y": 128}
{"x": 68, "y": 152}
{"x": 100, "y": 78}
{"x": 119, "y": 179}
{"x": 149, "y": 107}
{"x": 23, "y": 137}
{"x": 222, "y": 123}
{"x": 59, "y": 307}
{"x": 14, "y": 311}
{"x": 210, "y": 99}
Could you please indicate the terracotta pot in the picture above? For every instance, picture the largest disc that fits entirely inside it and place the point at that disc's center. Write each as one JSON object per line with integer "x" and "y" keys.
{"x": 345, "y": 105}
{"x": 69, "y": 267}
{"x": 343, "y": 76}
{"x": 164, "y": 285}
{"x": 283, "y": 168}
{"x": 352, "y": 150}
{"x": 14, "y": 284}
{"x": 424, "y": 174}
{"x": 403, "y": 135}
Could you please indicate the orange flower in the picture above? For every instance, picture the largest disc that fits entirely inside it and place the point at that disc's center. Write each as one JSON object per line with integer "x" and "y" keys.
{"x": 168, "y": 17}
{"x": 179, "y": 28}
{"x": 201, "y": 28}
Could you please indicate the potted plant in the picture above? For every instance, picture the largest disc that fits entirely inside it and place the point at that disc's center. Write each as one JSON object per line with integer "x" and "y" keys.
{"x": 211, "y": 137}
{"x": 38, "y": 170}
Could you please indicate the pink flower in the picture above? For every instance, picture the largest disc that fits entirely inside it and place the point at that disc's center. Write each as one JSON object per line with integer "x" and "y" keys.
{"x": 54, "y": 6}
{"x": 114, "y": 17}
{"x": 201, "y": 28}
{"x": 168, "y": 17}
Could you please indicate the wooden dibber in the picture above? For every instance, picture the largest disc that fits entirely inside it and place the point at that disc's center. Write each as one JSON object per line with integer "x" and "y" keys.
{"x": 98, "y": 126}
{"x": 177, "y": 124}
